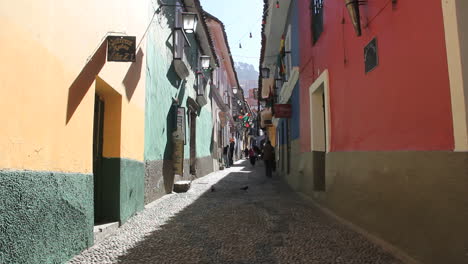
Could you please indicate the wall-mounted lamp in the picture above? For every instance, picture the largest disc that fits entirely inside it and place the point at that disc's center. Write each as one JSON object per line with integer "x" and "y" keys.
{"x": 205, "y": 61}
{"x": 353, "y": 10}
{"x": 234, "y": 90}
{"x": 278, "y": 83}
{"x": 265, "y": 73}
{"x": 190, "y": 21}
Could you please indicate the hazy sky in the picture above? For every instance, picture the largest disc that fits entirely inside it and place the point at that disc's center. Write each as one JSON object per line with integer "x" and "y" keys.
{"x": 240, "y": 17}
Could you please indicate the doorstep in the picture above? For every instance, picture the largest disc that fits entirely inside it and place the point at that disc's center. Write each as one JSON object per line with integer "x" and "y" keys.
{"x": 101, "y": 232}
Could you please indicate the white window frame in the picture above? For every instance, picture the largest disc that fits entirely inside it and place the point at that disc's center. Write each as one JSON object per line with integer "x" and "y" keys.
{"x": 316, "y": 139}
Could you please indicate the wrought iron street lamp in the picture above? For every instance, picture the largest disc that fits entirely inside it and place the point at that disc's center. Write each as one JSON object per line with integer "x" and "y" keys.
{"x": 279, "y": 83}
{"x": 265, "y": 73}
{"x": 190, "y": 21}
{"x": 353, "y": 10}
{"x": 205, "y": 61}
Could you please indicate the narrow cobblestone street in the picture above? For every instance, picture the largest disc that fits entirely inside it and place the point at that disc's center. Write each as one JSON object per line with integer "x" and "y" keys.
{"x": 263, "y": 224}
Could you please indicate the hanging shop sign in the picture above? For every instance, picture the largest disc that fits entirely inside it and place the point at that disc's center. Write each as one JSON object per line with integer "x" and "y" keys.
{"x": 180, "y": 126}
{"x": 222, "y": 118}
{"x": 178, "y": 157}
{"x": 121, "y": 48}
{"x": 283, "y": 110}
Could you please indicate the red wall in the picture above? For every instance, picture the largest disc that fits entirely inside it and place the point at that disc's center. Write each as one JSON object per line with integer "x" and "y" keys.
{"x": 404, "y": 104}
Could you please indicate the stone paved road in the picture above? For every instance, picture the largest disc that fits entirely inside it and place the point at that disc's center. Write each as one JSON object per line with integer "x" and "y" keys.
{"x": 265, "y": 224}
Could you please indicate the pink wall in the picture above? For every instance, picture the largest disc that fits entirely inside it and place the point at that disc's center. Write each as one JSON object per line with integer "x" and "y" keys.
{"x": 404, "y": 104}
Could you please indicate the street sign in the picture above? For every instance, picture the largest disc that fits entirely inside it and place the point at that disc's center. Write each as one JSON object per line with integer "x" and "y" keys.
{"x": 283, "y": 110}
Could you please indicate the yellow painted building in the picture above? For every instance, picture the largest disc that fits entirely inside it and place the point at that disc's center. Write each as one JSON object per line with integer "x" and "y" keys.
{"x": 54, "y": 77}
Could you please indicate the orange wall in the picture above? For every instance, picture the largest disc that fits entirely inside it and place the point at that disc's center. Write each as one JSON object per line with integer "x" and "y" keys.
{"x": 47, "y": 102}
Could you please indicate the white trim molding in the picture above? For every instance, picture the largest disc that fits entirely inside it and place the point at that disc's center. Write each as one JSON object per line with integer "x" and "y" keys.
{"x": 455, "y": 63}
{"x": 316, "y": 139}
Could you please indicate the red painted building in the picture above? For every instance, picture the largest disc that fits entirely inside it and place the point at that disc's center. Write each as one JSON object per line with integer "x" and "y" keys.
{"x": 382, "y": 139}
{"x": 404, "y": 103}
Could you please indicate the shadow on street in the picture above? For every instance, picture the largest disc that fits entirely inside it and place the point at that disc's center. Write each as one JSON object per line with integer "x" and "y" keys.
{"x": 266, "y": 223}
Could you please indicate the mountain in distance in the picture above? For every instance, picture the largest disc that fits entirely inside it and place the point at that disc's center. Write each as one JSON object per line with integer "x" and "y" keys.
{"x": 245, "y": 71}
{"x": 248, "y": 80}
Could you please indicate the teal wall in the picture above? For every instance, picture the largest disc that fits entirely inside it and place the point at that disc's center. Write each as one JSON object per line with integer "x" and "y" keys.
{"x": 205, "y": 131}
{"x": 123, "y": 188}
{"x": 45, "y": 217}
{"x": 132, "y": 188}
{"x": 162, "y": 85}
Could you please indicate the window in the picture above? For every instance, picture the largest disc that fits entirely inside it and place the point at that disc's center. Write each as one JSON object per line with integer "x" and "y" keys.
{"x": 316, "y": 7}
{"x": 371, "y": 58}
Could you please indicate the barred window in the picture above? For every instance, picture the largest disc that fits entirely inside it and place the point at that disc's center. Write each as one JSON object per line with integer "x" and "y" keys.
{"x": 316, "y": 7}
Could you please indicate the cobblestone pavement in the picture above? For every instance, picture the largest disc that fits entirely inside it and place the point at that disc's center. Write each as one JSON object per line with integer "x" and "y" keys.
{"x": 265, "y": 224}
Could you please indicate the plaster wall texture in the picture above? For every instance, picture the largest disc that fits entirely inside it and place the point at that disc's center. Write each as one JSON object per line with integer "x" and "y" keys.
{"x": 47, "y": 217}
{"x": 53, "y": 71}
{"x": 54, "y": 64}
{"x": 404, "y": 103}
{"x": 391, "y": 195}
{"x": 163, "y": 84}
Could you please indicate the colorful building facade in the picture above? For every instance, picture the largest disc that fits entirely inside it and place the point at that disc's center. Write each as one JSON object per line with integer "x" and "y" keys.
{"x": 72, "y": 143}
{"x": 87, "y": 140}
{"x": 177, "y": 83}
{"x": 381, "y": 116}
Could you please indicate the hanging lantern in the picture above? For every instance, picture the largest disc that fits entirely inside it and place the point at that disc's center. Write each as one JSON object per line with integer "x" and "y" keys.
{"x": 353, "y": 10}
{"x": 190, "y": 21}
{"x": 265, "y": 73}
{"x": 205, "y": 61}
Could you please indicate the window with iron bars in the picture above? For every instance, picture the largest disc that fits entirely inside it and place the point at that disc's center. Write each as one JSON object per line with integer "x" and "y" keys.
{"x": 316, "y": 7}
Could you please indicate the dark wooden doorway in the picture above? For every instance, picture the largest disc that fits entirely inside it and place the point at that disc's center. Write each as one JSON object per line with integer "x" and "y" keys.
{"x": 193, "y": 142}
{"x": 97, "y": 157}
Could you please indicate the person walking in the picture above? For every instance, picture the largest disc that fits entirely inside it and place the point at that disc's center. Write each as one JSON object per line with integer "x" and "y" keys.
{"x": 268, "y": 158}
{"x": 231, "y": 152}
{"x": 246, "y": 153}
{"x": 225, "y": 156}
{"x": 252, "y": 157}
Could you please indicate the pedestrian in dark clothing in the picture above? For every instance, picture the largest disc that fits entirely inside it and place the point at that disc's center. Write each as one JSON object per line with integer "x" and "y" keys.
{"x": 252, "y": 157}
{"x": 231, "y": 152}
{"x": 246, "y": 153}
{"x": 268, "y": 157}
{"x": 225, "y": 156}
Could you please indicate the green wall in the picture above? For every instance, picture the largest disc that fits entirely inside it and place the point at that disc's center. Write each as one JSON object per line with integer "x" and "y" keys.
{"x": 132, "y": 188}
{"x": 123, "y": 188}
{"x": 162, "y": 85}
{"x": 205, "y": 130}
{"x": 46, "y": 217}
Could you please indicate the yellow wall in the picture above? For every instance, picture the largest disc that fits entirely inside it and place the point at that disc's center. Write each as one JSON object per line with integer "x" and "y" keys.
{"x": 45, "y": 47}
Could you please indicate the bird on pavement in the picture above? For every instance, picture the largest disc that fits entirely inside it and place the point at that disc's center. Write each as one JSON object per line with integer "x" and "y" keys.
{"x": 244, "y": 188}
